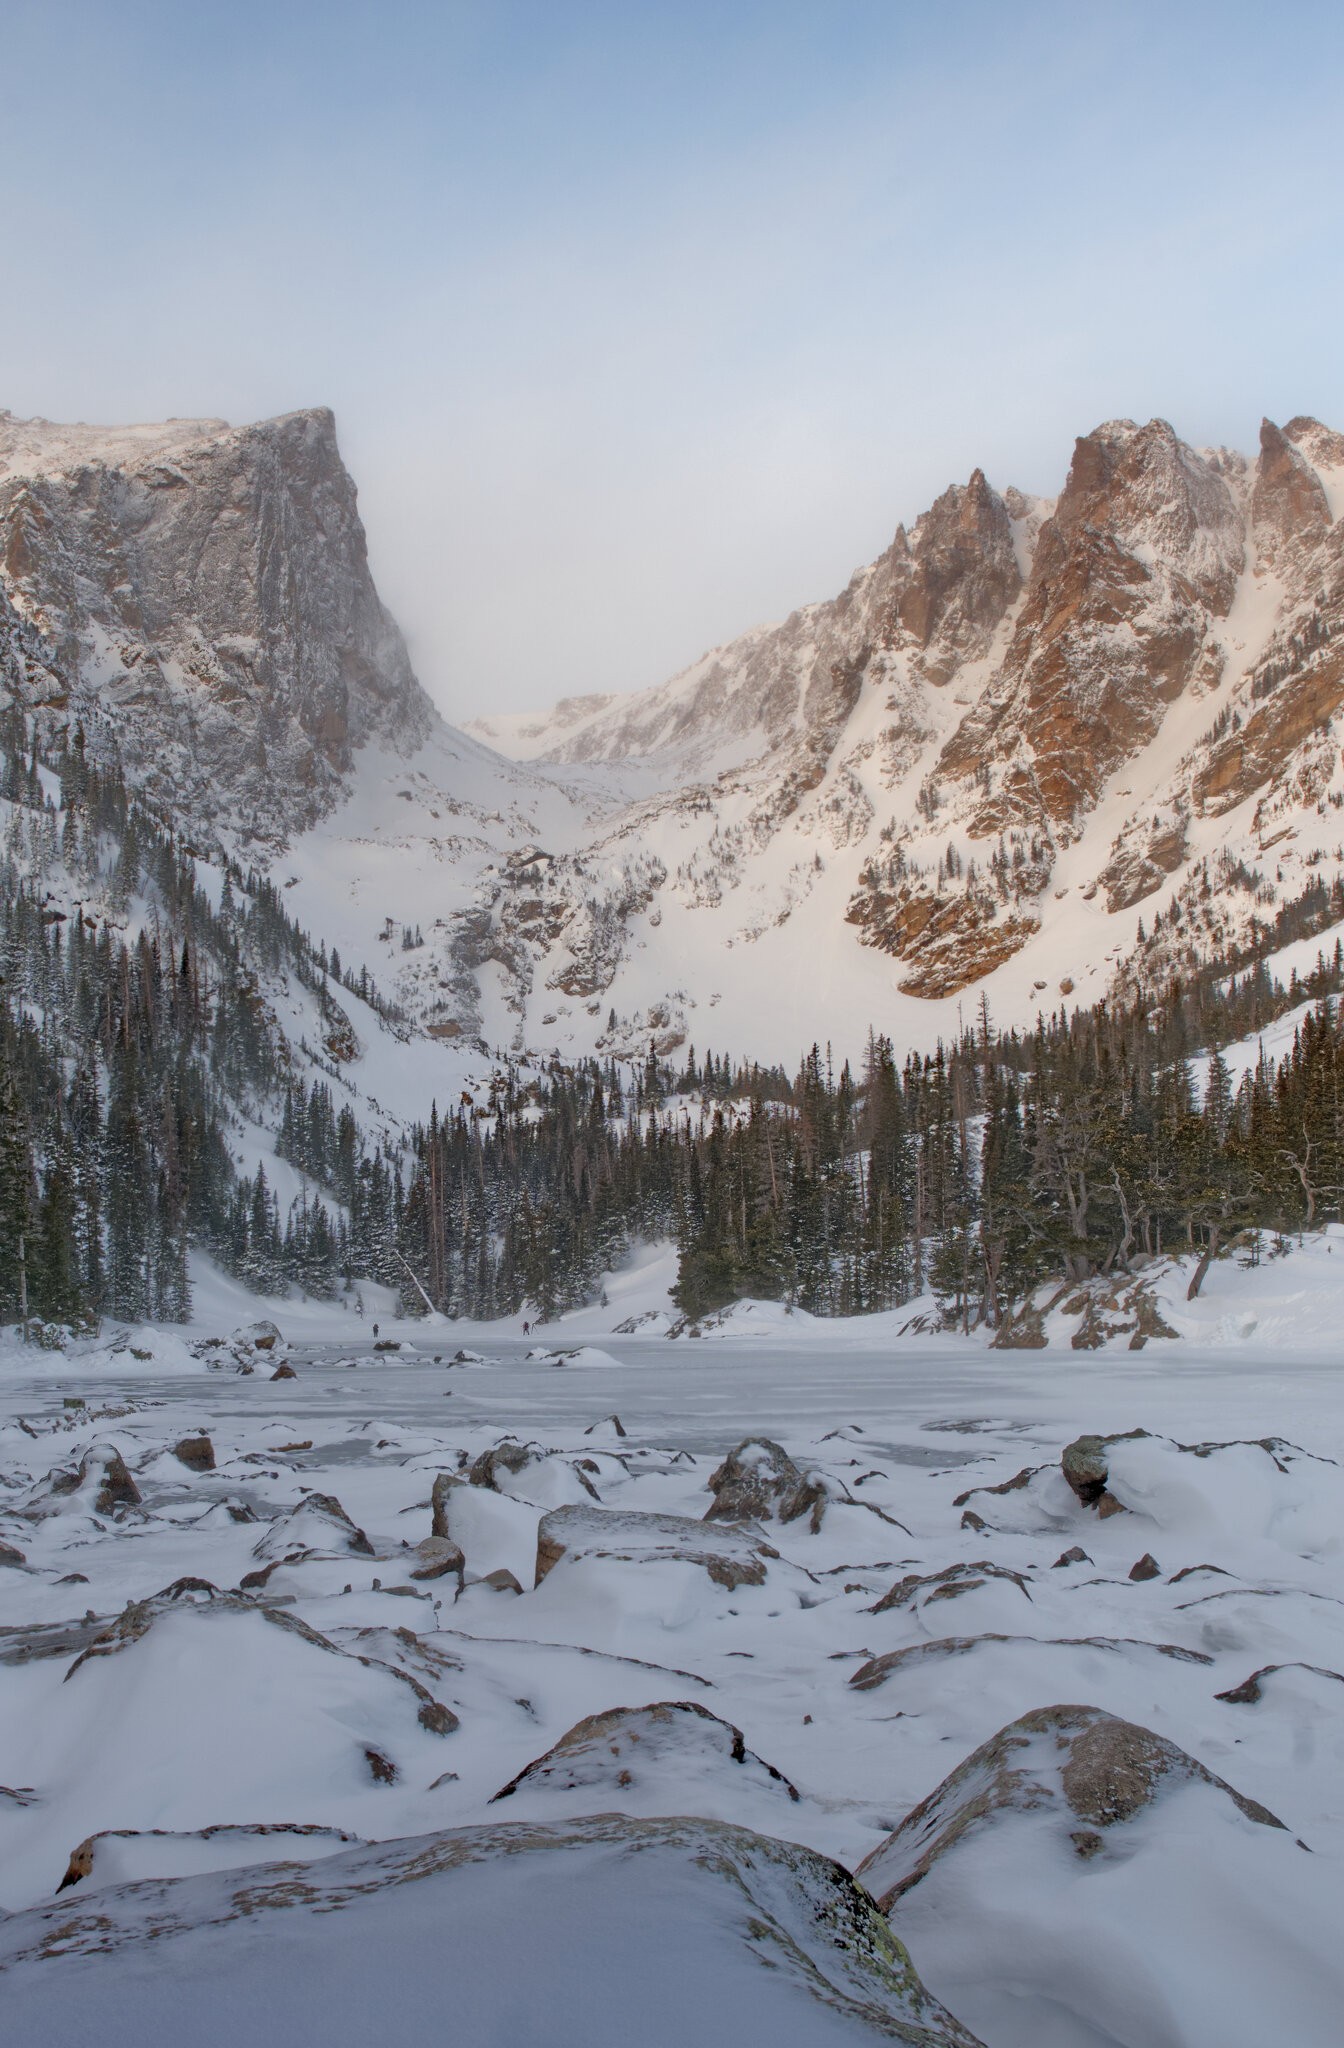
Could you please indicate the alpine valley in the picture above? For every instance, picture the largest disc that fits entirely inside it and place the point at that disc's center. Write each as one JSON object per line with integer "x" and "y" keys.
{"x": 893, "y": 1593}
{"x": 1036, "y": 750}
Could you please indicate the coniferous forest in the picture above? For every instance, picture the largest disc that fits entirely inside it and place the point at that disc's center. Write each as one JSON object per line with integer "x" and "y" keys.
{"x": 138, "y": 1048}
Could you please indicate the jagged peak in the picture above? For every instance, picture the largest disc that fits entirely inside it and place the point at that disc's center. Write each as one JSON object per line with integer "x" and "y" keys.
{"x": 1323, "y": 446}
{"x": 1289, "y": 507}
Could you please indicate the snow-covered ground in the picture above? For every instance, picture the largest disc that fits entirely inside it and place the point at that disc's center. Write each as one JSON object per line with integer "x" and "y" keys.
{"x": 258, "y": 1644}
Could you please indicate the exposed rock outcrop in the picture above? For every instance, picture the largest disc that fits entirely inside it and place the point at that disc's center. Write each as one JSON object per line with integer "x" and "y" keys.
{"x": 759, "y": 1482}
{"x": 682, "y": 1919}
{"x": 204, "y": 593}
{"x": 732, "y": 1554}
{"x": 643, "y": 1752}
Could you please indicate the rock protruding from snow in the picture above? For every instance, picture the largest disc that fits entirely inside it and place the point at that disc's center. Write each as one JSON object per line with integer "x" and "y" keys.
{"x": 1080, "y": 1877}
{"x": 731, "y": 1554}
{"x": 438, "y": 1558}
{"x": 759, "y": 1482}
{"x": 101, "y": 1484}
{"x": 1080, "y": 1762}
{"x": 951, "y": 1583}
{"x": 506, "y": 1457}
{"x": 263, "y": 1335}
{"x": 317, "y": 1523}
{"x": 643, "y": 1754}
{"x": 129, "y": 1855}
{"x": 1086, "y": 1466}
{"x": 689, "y": 1930}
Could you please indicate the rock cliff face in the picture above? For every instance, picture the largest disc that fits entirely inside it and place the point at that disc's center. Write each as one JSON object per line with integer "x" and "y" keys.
{"x": 1040, "y": 749}
{"x": 200, "y": 594}
{"x": 1017, "y": 702}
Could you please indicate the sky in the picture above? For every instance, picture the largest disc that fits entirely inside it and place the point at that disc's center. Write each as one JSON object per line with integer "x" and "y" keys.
{"x": 645, "y": 323}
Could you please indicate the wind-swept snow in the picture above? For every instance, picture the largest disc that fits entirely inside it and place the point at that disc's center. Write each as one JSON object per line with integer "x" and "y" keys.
{"x": 192, "y": 1652}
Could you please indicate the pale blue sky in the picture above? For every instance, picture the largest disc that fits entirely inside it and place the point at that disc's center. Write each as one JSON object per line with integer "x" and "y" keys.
{"x": 646, "y": 322}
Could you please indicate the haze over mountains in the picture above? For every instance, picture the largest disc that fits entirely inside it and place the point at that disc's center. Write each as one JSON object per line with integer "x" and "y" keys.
{"x": 1034, "y": 747}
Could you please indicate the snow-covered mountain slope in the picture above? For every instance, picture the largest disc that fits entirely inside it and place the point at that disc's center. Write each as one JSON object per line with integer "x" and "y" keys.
{"x": 1032, "y": 749}
{"x": 1012, "y": 741}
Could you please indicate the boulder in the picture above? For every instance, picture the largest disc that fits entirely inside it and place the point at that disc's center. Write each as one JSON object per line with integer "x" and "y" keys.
{"x": 732, "y": 1555}
{"x": 508, "y": 1456}
{"x": 1086, "y": 1463}
{"x": 661, "y": 1930}
{"x": 1252, "y": 1690}
{"x": 1146, "y": 1568}
{"x": 647, "y": 1755}
{"x": 1084, "y": 1466}
{"x": 949, "y": 1584}
{"x": 258, "y": 1336}
{"x": 284, "y": 1371}
{"x": 102, "y": 1481}
{"x": 438, "y": 1557}
{"x": 500, "y": 1581}
{"x": 759, "y": 1482}
{"x": 197, "y": 1453}
{"x": 1088, "y": 1765}
{"x": 444, "y": 1482}
{"x": 316, "y": 1523}
{"x": 129, "y": 1855}
{"x": 1081, "y": 1878}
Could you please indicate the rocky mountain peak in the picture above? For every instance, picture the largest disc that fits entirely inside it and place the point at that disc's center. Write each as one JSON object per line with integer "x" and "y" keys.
{"x": 1142, "y": 488}
{"x": 1322, "y": 445}
{"x": 963, "y": 577}
{"x": 1289, "y": 508}
{"x": 202, "y": 593}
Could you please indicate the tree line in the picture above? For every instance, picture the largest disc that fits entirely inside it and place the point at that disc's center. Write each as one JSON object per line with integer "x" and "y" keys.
{"x": 140, "y": 1058}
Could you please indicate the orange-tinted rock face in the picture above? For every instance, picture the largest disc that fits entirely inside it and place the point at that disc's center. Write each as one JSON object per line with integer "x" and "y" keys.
{"x": 1289, "y": 509}
{"x": 964, "y": 576}
{"x": 1123, "y": 617}
{"x": 1144, "y": 549}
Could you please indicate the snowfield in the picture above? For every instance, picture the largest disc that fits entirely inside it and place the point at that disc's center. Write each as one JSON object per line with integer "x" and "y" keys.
{"x": 405, "y": 1686}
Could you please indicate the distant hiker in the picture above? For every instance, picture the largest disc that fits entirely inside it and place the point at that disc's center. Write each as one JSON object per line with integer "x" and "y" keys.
{"x": 375, "y": 1329}
{"x": 527, "y": 1329}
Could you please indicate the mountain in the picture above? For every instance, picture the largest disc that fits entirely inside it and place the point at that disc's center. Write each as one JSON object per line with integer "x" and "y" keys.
{"x": 1020, "y": 724}
{"x": 202, "y": 592}
{"x": 1036, "y": 750}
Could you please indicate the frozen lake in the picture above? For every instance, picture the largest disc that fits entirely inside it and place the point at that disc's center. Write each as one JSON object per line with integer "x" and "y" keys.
{"x": 700, "y": 1396}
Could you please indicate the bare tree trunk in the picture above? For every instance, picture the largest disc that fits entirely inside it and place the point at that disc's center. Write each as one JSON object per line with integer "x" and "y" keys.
{"x": 1205, "y": 1260}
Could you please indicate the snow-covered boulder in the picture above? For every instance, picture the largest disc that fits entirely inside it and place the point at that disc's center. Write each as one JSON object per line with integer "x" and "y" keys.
{"x": 128, "y": 1855}
{"x": 438, "y": 1559}
{"x": 101, "y": 1484}
{"x": 731, "y": 1554}
{"x": 665, "y": 1931}
{"x": 1082, "y": 1880}
{"x": 759, "y": 1482}
{"x": 197, "y": 1453}
{"x": 259, "y": 1336}
{"x": 316, "y": 1523}
{"x": 656, "y": 1759}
